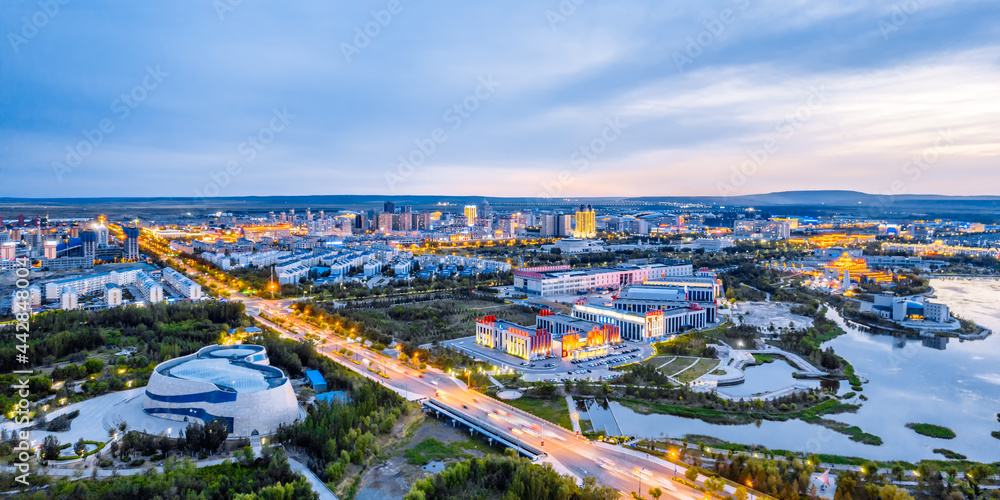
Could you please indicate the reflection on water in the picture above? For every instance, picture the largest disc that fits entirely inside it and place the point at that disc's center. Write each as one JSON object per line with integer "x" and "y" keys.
{"x": 911, "y": 380}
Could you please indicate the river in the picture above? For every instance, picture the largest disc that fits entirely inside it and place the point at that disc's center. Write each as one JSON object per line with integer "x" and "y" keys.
{"x": 954, "y": 384}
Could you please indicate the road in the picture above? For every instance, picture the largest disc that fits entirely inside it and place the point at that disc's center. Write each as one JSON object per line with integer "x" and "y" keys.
{"x": 612, "y": 466}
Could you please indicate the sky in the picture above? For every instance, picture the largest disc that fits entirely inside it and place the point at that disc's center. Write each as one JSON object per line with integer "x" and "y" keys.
{"x": 540, "y": 98}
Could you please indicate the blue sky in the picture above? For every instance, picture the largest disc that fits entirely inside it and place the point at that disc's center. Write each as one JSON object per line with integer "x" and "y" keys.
{"x": 515, "y": 98}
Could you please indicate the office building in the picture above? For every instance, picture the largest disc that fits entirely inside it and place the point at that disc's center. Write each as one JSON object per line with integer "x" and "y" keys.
{"x": 762, "y": 230}
{"x": 561, "y": 280}
{"x": 525, "y": 342}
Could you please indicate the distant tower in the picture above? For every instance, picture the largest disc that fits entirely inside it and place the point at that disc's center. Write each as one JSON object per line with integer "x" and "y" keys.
{"x": 131, "y": 243}
{"x": 847, "y": 279}
{"x": 74, "y": 231}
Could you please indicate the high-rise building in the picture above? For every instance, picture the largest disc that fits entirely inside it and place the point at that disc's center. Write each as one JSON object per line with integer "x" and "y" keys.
{"x": 548, "y": 225}
{"x": 424, "y": 220}
{"x": 359, "y": 221}
{"x": 74, "y": 231}
{"x": 101, "y": 231}
{"x": 385, "y": 221}
{"x": 564, "y": 225}
{"x": 470, "y": 215}
{"x": 131, "y": 243}
{"x": 88, "y": 240}
{"x": 389, "y": 207}
{"x": 485, "y": 210}
{"x": 586, "y": 222}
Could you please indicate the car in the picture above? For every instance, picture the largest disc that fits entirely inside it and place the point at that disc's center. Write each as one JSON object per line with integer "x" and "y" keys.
{"x": 465, "y": 406}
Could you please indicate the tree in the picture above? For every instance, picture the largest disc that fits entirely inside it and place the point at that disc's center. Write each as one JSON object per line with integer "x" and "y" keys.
{"x": 741, "y": 494}
{"x": 714, "y": 484}
{"x": 691, "y": 473}
{"x": 80, "y": 448}
{"x": 50, "y": 447}
{"x": 655, "y": 492}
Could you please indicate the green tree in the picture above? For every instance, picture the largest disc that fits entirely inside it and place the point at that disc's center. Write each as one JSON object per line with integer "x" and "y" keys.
{"x": 691, "y": 473}
{"x": 50, "y": 447}
{"x": 80, "y": 448}
{"x": 655, "y": 492}
{"x": 741, "y": 494}
{"x": 93, "y": 365}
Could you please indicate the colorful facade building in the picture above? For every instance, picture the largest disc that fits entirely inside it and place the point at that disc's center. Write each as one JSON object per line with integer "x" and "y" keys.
{"x": 525, "y": 342}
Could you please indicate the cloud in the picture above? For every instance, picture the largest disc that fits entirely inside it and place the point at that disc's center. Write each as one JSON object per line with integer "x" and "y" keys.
{"x": 687, "y": 130}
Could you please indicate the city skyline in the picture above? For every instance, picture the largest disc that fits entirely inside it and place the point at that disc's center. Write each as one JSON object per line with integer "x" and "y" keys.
{"x": 554, "y": 100}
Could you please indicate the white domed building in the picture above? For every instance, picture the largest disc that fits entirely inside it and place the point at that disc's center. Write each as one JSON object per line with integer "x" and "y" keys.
{"x": 233, "y": 383}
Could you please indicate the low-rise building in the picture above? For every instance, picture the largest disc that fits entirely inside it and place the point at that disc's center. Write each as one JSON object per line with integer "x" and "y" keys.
{"x": 182, "y": 284}
{"x": 526, "y": 342}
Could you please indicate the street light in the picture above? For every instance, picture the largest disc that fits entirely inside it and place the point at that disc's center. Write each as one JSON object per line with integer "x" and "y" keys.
{"x": 750, "y": 484}
{"x": 673, "y": 456}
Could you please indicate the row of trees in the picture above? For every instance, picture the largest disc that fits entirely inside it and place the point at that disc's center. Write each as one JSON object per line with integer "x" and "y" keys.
{"x": 267, "y": 477}
{"x": 507, "y": 477}
{"x": 335, "y": 436}
{"x": 65, "y": 334}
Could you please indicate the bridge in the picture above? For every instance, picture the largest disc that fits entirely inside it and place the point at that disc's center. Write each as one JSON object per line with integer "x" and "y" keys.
{"x": 488, "y": 430}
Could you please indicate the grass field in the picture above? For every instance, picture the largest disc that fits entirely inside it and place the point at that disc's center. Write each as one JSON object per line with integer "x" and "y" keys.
{"x": 438, "y": 320}
{"x": 934, "y": 431}
{"x": 674, "y": 364}
{"x": 701, "y": 368}
{"x": 431, "y": 450}
{"x": 554, "y": 410}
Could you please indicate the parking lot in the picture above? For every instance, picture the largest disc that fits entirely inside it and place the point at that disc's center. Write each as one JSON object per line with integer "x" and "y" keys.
{"x": 557, "y": 369}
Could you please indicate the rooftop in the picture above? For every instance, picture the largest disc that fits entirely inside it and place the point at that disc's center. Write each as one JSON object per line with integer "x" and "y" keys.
{"x": 227, "y": 367}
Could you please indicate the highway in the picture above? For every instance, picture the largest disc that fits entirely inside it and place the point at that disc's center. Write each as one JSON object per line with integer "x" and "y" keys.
{"x": 612, "y": 466}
